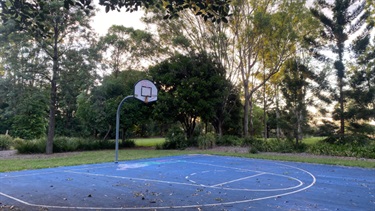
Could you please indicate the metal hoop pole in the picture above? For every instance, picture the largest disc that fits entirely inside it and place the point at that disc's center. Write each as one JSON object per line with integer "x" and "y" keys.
{"x": 118, "y": 124}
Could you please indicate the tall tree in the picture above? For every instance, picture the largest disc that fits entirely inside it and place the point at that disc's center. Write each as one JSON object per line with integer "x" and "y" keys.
{"x": 98, "y": 109}
{"x": 262, "y": 32}
{"x": 23, "y": 90}
{"x": 54, "y": 29}
{"x": 345, "y": 18}
{"x": 294, "y": 85}
{"x": 189, "y": 88}
{"x": 361, "y": 95}
{"x": 127, "y": 48}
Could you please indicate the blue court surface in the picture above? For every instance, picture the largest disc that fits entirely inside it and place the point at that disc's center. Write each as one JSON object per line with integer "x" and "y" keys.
{"x": 191, "y": 182}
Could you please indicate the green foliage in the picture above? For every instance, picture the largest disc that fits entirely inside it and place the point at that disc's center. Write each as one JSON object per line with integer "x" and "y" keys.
{"x": 30, "y": 146}
{"x": 30, "y": 121}
{"x": 328, "y": 128}
{"x": 229, "y": 140}
{"x": 175, "y": 139}
{"x": 5, "y": 142}
{"x": 190, "y": 87}
{"x": 206, "y": 141}
{"x": 61, "y": 144}
{"x": 128, "y": 143}
{"x": 273, "y": 145}
{"x": 216, "y": 11}
{"x": 355, "y": 140}
{"x": 97, "y": 111}
{"x": 346, "y": 150}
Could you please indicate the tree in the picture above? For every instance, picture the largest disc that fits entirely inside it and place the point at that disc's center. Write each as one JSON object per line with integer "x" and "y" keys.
{"x": 189, "y": 88}
{"x": 215, "y": 10}
{"x": 261, "y": 31}
{"x": 54, "y": 29}
{"x": 98, "y": 109}
{"x": 29, "y": 14}
{"x": 77, "y": 75}
{"x": 347, "y": 18}
{"x": 127, "y": 48}
{"x": 22, "y": 86}
{"x": 294, "y": 86}
{"x": 361, "y": 95}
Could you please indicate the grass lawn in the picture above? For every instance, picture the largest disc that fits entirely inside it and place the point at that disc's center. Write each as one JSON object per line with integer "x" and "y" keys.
{"x": 312, "y": 140}
{"x": 148, "y": 142}
{"x": 89, "y": 157}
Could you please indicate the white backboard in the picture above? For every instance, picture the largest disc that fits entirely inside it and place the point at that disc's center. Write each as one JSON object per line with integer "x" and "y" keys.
{"x": 146, "y": 91}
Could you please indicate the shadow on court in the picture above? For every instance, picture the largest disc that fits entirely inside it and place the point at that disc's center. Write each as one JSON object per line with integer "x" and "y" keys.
{"x": 191, "y": 182}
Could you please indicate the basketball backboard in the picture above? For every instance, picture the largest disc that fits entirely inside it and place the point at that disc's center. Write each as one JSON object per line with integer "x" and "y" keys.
{"x": 146, "y": 91}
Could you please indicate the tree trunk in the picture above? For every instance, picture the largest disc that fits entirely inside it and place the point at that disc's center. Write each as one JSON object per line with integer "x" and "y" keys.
{"x": 109, "y": 130}
{"x": 264, "y": 107}
{"x": 278, "y": 132}
{"x": 52, "y": 118}
{"x": 53, "y": 94}
{"x": 342, "y": 119}
{"x": 246, "y": 110}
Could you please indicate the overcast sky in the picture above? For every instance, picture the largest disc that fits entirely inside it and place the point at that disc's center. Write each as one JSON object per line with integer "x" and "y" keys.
{"x": 102, "y": 21}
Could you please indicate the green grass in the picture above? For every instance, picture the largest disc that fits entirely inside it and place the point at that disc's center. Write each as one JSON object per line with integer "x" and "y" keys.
{"x": 148, "y": 142}
{"x": 90, "y": 157}
{"x": 312, "y": 140}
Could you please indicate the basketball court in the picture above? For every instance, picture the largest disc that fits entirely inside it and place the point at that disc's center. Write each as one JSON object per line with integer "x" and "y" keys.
{"x": 191, "y": 182}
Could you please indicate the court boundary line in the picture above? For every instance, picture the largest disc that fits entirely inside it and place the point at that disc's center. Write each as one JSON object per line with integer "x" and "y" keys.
{"x": 175, "y": 207}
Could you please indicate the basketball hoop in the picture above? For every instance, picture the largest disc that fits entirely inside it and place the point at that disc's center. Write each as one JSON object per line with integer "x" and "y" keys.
{"x": 146, "y": 91}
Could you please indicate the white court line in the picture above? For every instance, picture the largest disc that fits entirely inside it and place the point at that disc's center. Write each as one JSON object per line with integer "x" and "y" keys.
{"x": 174, "y": 207}
{"x": 236, "y": 180}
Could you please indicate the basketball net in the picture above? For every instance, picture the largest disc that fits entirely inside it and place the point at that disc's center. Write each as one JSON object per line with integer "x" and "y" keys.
{"x": 146, "y": 99}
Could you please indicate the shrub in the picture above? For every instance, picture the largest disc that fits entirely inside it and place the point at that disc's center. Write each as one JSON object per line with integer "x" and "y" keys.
{"x": 347, "y": 150}
{"x": 5, "y": 142}
{"x": 229, "y": 140}
{"x": 62, "y": 144}
{"x": 128, "y": 143}
{"x": 175, "y": 139}
{"x": 356, "y": 140}
{"x": 273, "y": 145}
{"x": 65, "y": 144}
{"x": 206, "y": 141}
{"x": 30, "y": 146}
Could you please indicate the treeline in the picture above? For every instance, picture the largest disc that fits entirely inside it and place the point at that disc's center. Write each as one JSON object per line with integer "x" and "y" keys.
{"x": 260, "y": 73}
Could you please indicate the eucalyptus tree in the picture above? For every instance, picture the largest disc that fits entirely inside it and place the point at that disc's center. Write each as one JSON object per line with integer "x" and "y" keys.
{"x": 191, "y": 33}
{"x": 54, "y": 29}
{"x": 126, "y": 48}
{"x": 342, "y": 19}
{"x": 264, "y": 32}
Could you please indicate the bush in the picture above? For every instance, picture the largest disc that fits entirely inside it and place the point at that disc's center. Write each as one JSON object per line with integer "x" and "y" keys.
{"x": 175, "y": 139}
{"x": 61, "y": 144}
{"x": 30, "y": 146}
{"x": 5, "y": 142}
{"x": 273, "y": 145}
{"x": 65, "y": 144}
{"x": 206, "y": 141}
{"x": 355, "y": 140}
{"x": 229, "y": 140}
{"x": 128, "y": 143}
{"x": 346, "y": 150}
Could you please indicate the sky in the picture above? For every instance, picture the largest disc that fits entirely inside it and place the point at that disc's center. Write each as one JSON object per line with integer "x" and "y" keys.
{"x": 102, "y": 20}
